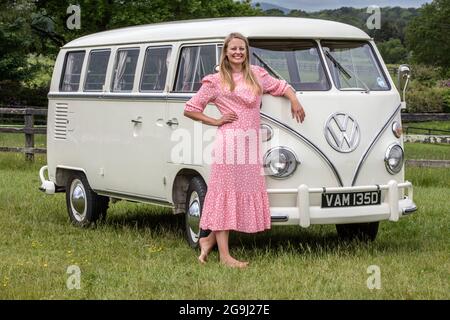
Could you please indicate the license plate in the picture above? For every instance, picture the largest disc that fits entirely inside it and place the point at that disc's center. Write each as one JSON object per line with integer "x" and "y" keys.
{"x": 351, "y": 199}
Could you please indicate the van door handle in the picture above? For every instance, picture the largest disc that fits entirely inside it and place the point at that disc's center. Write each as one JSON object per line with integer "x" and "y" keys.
{"x": 136, "y": 121}
{"x": 172, "y": 122}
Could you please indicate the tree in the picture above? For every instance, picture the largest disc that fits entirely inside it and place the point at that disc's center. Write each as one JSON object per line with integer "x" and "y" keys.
{"x": 274, "y": 13}
{"x": 393, "y": 51}
{"x": 49, "y": 22}
{"x": 15, "y": 40}
{"x": 428, "y": 35}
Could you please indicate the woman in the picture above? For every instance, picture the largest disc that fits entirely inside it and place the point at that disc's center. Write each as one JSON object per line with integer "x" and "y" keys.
{"x": 236, "y": 198}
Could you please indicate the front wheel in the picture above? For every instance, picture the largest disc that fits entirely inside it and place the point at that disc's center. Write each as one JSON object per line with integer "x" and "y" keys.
{"x": 83, "y": 204}
{"x": 194, "y": 203}
{"x": 359, "y": 231}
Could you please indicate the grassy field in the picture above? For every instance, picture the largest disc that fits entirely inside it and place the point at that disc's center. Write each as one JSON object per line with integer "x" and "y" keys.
{"x": 139, "y": 252}
{"x": 18, "y": 140}
{"x": 427, "y": 151}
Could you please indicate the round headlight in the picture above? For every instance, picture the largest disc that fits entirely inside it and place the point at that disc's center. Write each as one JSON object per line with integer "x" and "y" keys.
{"x": 280, "y": 162}
{"x": 397, "y": 129}
{"x": 266, "y": 132}
{"x": 394, "y": 158}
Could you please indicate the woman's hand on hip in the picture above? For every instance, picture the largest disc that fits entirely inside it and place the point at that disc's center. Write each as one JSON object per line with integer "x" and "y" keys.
{"x": 227, "y": 118}
{"x": 298, "y": 113}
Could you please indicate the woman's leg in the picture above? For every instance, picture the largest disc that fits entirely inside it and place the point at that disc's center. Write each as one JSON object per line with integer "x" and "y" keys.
{"x": 206, "y": 243}
{"x": 225, "y": 257}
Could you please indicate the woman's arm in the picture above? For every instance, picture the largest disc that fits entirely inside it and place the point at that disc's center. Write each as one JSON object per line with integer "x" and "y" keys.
{"x": 277, "y": 87}
{"x": 200, "y": 116}
{"x": 296, "y": 107}
{"x": 207, "y": 93}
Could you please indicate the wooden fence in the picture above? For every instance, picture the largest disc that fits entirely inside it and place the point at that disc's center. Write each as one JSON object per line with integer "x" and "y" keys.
{"x": 28, "y": 129}
{"x": 420, "y": 117}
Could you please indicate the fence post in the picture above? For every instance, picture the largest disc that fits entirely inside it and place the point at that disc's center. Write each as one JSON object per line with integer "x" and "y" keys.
{"x": 29, "y": 134}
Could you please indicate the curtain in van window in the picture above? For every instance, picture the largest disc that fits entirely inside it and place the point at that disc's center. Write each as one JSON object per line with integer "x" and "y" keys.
{"x": 120, "y": 70}
{"x": 67, "y": 84}
{"x": 195, "y": 63}
{"x": 168, "y": 58}
{"x": 70, "y": 78}
{"x": 187, "y": 73}
{"x": 155, "y": 69}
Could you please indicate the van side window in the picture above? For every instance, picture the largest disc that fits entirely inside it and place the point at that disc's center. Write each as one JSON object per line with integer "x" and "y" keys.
{"x": 96, "y": 72}
{"x": 155, "y": 69}
{"x": 195, "y": 63}
{"x": 70, "y": 79}
{"x": 124, "y": 69}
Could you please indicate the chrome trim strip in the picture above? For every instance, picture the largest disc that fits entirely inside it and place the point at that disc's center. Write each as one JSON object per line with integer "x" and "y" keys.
{"x": 372, "y": 144}
{"x": 183, "y": 98}
{"x": 118, "y": 96}
{"x": 130, "y": 197}
{"x": 83, "y": 96}
{"x": 309, "y": 143}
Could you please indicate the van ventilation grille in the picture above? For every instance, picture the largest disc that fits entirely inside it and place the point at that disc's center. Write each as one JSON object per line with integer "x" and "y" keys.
{"x": 61, "y": 118}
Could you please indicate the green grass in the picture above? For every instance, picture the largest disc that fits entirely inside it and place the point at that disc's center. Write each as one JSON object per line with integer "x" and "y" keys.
{"x": 439, "y": 125}
{"x": 427, "y": 151}
{"x": 139, "y": 252}
{"x": 18, "y": 140}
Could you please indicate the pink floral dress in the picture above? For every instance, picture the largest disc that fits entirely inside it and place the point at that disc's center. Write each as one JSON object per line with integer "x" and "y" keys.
{"x": 236, "y": 198}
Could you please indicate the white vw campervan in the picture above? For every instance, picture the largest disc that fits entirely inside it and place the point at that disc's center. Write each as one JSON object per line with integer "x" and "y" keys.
{"x": 117, "y": 99}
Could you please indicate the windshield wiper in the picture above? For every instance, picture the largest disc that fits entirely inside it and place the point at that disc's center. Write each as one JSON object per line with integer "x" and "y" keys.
{"x": 269, "y": 68}
{"x": 346, "y": 72}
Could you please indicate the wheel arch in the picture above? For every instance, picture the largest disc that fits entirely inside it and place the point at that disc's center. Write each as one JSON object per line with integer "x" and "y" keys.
{"x": 63, "y": 174}
{"x": 180, "y": 187}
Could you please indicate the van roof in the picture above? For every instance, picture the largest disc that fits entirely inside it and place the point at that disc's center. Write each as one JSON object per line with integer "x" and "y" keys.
{"x": 252, "y": 27}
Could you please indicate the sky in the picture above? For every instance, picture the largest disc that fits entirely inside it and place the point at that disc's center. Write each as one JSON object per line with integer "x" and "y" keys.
{"x": 315, "y": 5}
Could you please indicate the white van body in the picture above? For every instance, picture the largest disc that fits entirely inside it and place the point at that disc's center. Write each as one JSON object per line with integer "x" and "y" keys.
{"x": 121, "y": 140}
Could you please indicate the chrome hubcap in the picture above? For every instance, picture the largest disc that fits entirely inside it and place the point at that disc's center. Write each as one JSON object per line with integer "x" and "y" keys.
{"x": 194, "y": 216}
{"x": 78, "y": 200}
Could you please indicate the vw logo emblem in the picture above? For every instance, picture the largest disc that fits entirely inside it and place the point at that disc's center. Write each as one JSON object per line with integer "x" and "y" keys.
{"x": 342, "y": 132}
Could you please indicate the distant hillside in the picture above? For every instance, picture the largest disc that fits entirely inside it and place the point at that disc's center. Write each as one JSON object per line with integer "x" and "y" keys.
{"x": 264, "y": 6}
{"x": 393, "y": 19}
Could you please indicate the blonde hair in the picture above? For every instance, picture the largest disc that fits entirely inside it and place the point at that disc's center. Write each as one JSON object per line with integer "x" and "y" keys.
{"x": 225, "y": 67}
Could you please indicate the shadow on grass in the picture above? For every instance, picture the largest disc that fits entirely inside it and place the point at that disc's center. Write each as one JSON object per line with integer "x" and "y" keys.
{"x": 293, "y": 239}
{"x": 317, "y": 240}
{"x": 142, "y": 219}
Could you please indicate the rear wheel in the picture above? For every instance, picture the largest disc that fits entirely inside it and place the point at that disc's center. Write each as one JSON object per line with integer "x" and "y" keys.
{"x": 194, "y": 203}
{"x": 84, "y": 206}
{"x": 359, "y": 231}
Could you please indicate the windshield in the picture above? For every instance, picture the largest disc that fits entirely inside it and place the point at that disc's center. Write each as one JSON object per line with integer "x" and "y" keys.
{"x": 298, "y": 62}
{"x": 353, "y": 66}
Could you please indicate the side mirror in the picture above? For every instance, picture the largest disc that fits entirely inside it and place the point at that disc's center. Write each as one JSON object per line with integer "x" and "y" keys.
{"x": 404, "y": 73}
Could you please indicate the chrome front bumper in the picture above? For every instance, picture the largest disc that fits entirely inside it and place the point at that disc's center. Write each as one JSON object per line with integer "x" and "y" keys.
{"x": 304, "y": 214}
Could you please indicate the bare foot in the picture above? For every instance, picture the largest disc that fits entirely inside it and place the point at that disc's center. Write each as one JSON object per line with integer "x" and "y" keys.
{"x": 206, "y": 245}
{"x": 233, "y": 263}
